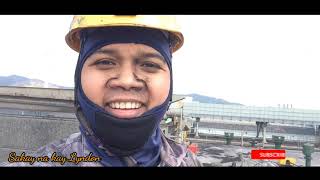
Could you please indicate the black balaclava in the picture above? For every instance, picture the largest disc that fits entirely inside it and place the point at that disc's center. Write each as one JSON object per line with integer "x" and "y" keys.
{"x": 140, "y": 137}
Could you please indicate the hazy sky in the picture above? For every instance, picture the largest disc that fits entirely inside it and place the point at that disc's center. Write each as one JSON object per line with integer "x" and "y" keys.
{"x": 261, "y": 60}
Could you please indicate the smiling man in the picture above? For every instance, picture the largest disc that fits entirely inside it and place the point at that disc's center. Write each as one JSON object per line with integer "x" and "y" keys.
{"x": 123, "y": 88}
{"x": 129, "y": 79}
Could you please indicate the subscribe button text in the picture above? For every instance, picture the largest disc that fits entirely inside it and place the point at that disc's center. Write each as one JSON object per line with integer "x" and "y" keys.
{"x": 268, "y": 154}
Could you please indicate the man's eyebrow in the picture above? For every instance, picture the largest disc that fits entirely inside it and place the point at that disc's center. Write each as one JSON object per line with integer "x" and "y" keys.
{"x": 143, "y": 55}
{"x": 153, "y": 55}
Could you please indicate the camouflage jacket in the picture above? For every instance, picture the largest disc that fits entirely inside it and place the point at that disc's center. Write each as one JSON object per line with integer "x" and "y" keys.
{"x": 172, "y": 154}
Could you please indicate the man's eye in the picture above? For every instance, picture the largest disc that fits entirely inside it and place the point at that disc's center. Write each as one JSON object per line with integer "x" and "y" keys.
{"x": 150, "y": 65}
{"x": 104, "y": 62}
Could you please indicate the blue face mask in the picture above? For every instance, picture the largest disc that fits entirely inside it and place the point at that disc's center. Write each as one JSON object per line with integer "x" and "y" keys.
{"x": 105, "y": 131}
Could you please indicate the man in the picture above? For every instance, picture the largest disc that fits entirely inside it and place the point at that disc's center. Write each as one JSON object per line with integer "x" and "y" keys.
{"x": 123, "y": 88}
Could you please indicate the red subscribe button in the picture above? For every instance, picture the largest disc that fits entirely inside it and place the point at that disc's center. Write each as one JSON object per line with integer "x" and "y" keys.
{"x": 268, "y": 154}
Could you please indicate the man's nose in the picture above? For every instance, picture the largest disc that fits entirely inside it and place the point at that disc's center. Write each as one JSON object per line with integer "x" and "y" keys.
{"x": 126, "y": 78}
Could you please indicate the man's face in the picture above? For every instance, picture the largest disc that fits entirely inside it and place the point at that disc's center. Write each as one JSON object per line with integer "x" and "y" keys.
{"x": 126, "y": 79}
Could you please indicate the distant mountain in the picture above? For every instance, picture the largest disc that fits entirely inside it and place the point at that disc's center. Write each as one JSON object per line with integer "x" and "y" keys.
{"x": 207, "y": 99}
{"x": 15, "y": 80}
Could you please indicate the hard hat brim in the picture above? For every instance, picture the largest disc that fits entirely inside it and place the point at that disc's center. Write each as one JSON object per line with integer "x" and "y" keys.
{"x": 73, "y": 37}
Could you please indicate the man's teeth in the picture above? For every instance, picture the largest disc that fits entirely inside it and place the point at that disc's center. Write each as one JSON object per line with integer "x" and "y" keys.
{"x": 125, "y": 105}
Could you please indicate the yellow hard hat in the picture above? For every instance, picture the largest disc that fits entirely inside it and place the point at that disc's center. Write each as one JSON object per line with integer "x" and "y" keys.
{"x": 290, "y": 159}
{"x": 162, "y": 22}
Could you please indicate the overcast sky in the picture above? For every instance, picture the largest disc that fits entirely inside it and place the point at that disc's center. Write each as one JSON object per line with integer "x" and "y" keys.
{"x": 261, "y": 60}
